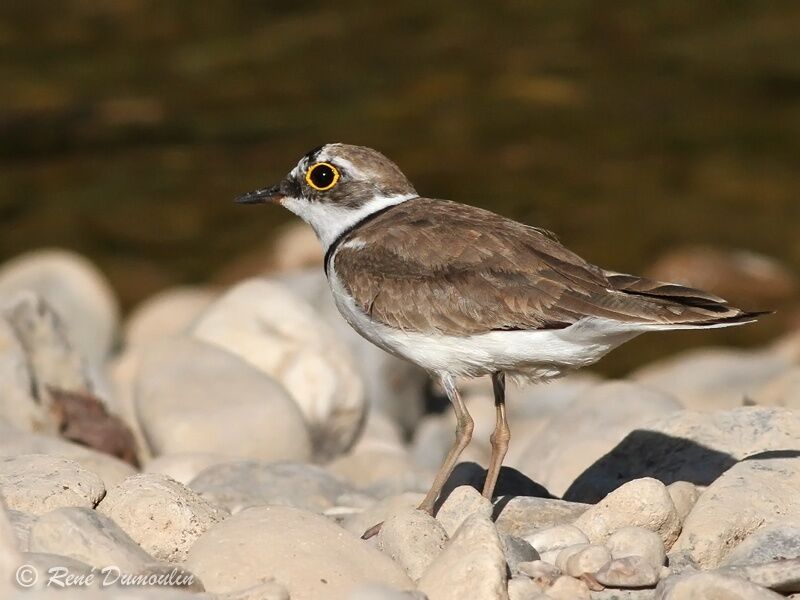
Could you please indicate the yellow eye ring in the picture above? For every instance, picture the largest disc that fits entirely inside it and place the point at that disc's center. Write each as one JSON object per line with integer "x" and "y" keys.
{"x": 322, "y": 176}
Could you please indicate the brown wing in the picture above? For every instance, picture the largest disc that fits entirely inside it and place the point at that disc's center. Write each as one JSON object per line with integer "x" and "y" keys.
{"x": 437, "y": 266}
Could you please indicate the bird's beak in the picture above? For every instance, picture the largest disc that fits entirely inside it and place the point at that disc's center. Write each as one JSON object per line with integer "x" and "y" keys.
{"x": 271, "y": 194}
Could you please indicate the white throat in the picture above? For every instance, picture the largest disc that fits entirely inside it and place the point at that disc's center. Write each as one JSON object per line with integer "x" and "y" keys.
{"x": 329, "y": 221}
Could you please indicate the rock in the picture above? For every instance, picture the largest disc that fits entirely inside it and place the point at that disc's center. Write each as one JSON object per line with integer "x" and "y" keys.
{"x": 76, "y": 290}
{"x": 262, "y": 542}
{"x": 236, "y": 485}
{"x": 21, "y": 523}
{"x": 711, "y": 585}
{"x": 18, "y": 404}
{"x": 163, "y": 516}
{"x": 270, "y": 590}
{"x": 589, "y": 427}
{"x": 618, "y": 594}
{"x": 755, "y": 493}
{"x": 684, "y": 495}
{"x": 523, "y": 588}
{"x": 471, "y": 565}
{"x": 639, "y": 503}
{"x": 713, "y": 378}
{"x": 381, "y": 472}
{"x": 542, "y": 573}
{"x": 10, "y": 558}
{"x": 381, "y": 592}
{"x": 394, "y": 387}
{"x": 88, "y": 536}
{"x": 767, "y": 544}
{"x": 279, "y": 334}
{"x": 462, "y": 502}
{"x": 628, "y": 572}
{"x": 549, "y": 541}
{"x": 700, "y": 446}
{"x": 588, "y": 559}
{"x": 360, "y": 520}
{"x": 53, "y": 569}
{"x": 522, "y": 516}
{"x": 111, "y": 470}
{"x": 510, "y": 482}
{"x": 568, "y": 588}
{"x": 169, "y": 313}
{"x": 638, "y": 541}
{"x": 194, "y": 397}
{"x": 184, "y": 466}
{"x": 413, "y": 539}
{"x": 783, "y": 390}
{"x": 38, "y": 483}
{"x": 780, "y": 575}
{"x": 516, "y": 550}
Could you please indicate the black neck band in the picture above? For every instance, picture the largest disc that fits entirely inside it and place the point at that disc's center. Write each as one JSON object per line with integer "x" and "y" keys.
{"x": 340, "y": 238}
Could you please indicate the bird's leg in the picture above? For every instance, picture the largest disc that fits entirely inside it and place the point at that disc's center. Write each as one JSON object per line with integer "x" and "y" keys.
{"x": 464, "y": 427}
{"x": 500, "y": 435}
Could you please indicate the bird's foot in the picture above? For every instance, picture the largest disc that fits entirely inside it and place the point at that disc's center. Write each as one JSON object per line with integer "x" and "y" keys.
{"x": 372, "y": 531}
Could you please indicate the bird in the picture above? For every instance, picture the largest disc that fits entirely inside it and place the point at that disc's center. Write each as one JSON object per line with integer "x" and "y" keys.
{"x": 464, "y": 292}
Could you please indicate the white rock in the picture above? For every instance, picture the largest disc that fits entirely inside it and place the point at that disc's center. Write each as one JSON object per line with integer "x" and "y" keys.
{"x": 89, "y": 536}
{"x": 10, "y": 559}
{"x": 270, "y": 590}
{"x": 460, "y": 504}
{"x": 523, "y": 516}
{"x": 684, "y": 495}
{"x": 111, "y": 470}
{"x": 413, "y": 539}
{"x": 755, "y": 493}
{"x": 711, "y": 585}
{"x": 523, "y": 588}
{"x": 780, "y": 575}
{"x": 263, "y": 542}
{"x": 21, "y": 523}
{"x": 278, "y": 333}
{"x": 382, "y": 592}
{"x": 568, "y": 588}
{"x": 588, "y": 559}
{"x": 639, "y": 503}
{"x": 194, "y": 397}
{"x": 169, "y": 313}
{"x": 517, "y": 551}
{"x": 163, "y": 516}
{"x": 638, "y": 541}
{"x": 18, "y": 405}
{"x": 713, "y": 378}
{"x": 393, "y": 386}
{"x": 52, "y": 569}
{"x": 767, "y": 544}
{"x": 381, "y": 471}
{"x": 628, "y": 572}
{"x": 37, "y": 483}
{"x": 554, "y": 539}
{"x": 184, "y": 466}
{"x": 238, "y": 484}
{"x": 75, "y": 289}
{"x": 589, "y": 427}
{"x": 472, "y": 565}
{"x": 542, "y": 573}
{"x": 783, "y": 390}
{"x": 701, "y": 446}
{"x": 358, "y": 521}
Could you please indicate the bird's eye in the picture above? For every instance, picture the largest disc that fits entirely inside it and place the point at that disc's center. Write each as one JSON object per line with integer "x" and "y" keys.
{"x": 322, "y": 176}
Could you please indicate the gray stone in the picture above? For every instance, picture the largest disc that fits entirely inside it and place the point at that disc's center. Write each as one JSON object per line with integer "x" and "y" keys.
{"x": 18, "y": 404}
{"x": 471, "y": 565}
{"x": 694, "y": 586}
{"x": 516, "y": 551}
{"x": 21, "y": 522}
{"x": 52, "y": 571}
{"x": 163, "y": 516}
{"x": 638, "y": 541}
{"x": 278, "y": 333}
{"x": 194, "y": 397}
{"x": 781, "y": 575}
{"x": 639, "y": 503}
{"x": 700, "y": 446}
{"x": 413, "y": 539}
{"x": 10, "y": 558}
{"x": 755, "y": 493}
{"x": 88, "y": 536}
{"x": 460, "y": 504}
{"x": 38, "y": 483}
{"x": 263, "y": 542}
{"x": 524, "y": 515}
{"x": 238, "y": 484}
{"x": 628, "y": 572}
{"x": 770, "y": 543}
{"x": 684, "y": 495}
{"x": 588, "y": 428}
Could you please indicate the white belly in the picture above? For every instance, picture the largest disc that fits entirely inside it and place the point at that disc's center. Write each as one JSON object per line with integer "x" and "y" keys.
{"x": 541, "y": 354}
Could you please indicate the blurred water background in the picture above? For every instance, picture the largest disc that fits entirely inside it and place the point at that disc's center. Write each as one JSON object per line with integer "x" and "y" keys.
{"x": 127, "y": 127}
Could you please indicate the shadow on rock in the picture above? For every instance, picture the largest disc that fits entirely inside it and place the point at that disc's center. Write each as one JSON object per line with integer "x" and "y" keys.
{"x": 510, "y": 482}
{"x": 649, "y": 454}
